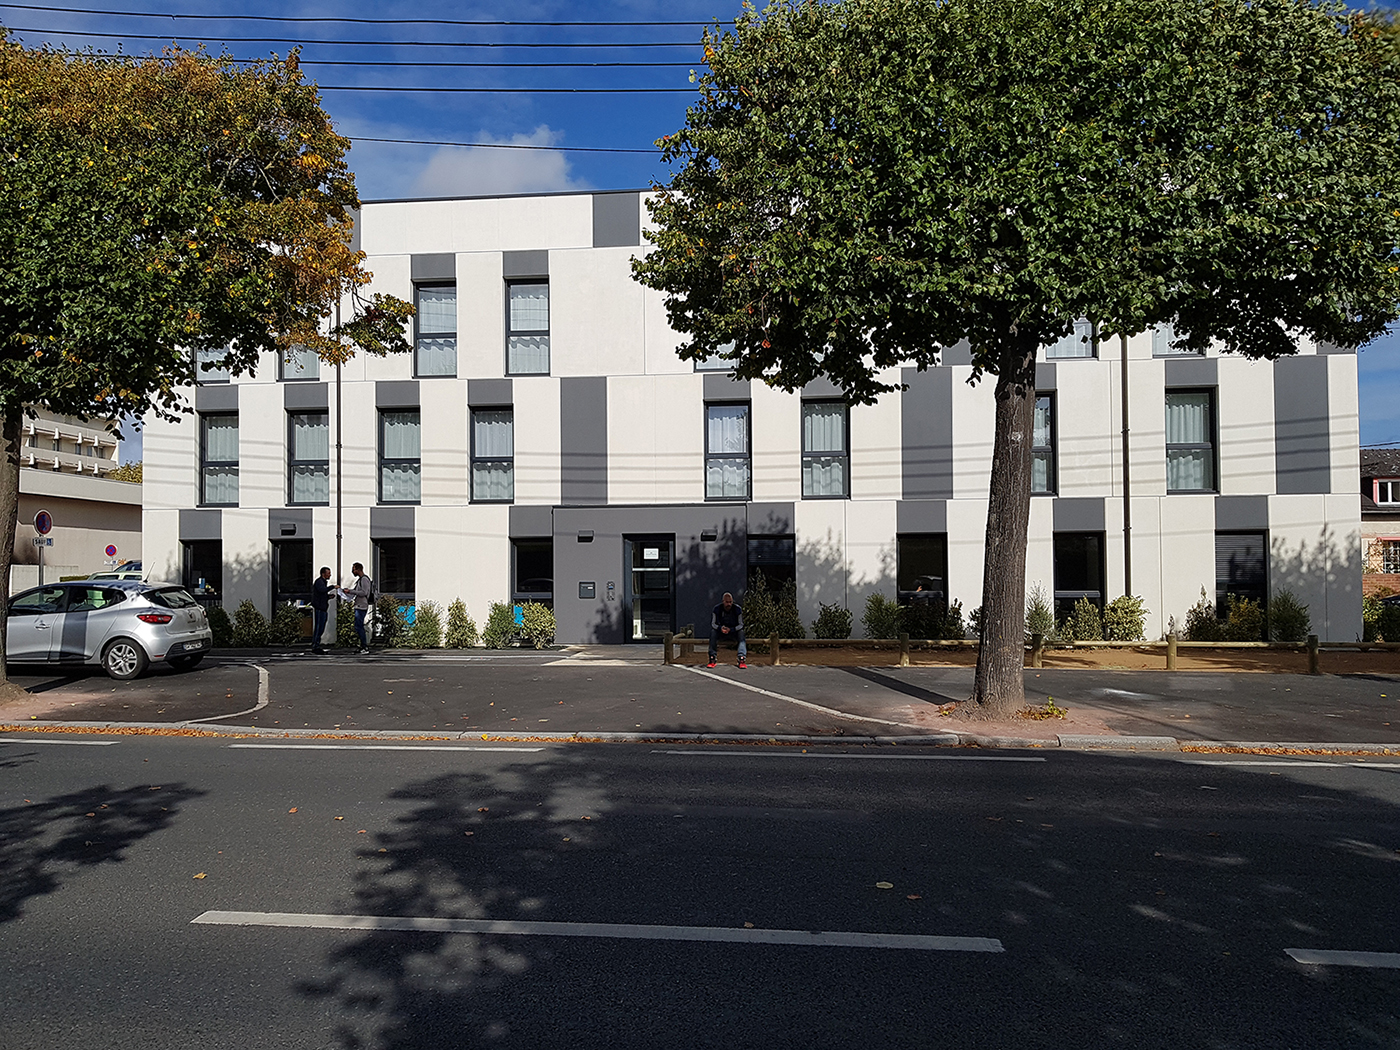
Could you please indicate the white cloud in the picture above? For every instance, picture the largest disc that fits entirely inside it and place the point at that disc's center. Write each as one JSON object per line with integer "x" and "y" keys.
{"x": 459, "y": 172}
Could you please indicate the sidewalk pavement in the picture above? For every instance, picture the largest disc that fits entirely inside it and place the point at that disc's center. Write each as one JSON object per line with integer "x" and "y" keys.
{"x": 625, "y": 693}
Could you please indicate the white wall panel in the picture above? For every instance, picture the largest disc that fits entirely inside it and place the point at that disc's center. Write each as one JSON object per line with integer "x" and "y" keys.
{"x": 1186, "y": 552}
{"x": 822, "y": 568}
{"x": 160, "y": 544}
{"x": 656, "y": 435}
{"x": 170, "y": 454}
{"x": 1344, "y": 410}
{"x": 777, "y": 444}
{"x": 445, "y": 441}
{"x": 967, "y": 524}
{"x": 1087, "y": 429}
{"x": 877, "y": 460}
{"x": 870, "y": 554}
{"x": 247, "y": 559}
{"x": 595, "y": 314}
{"x": 262, "y": 446}
{"x": 1147, "y": 426}
{"x": 661, "y": 339}
{"x": 536, "y": 439}
{"x": 481, "y": 316}
{"x": 464, "y": 552}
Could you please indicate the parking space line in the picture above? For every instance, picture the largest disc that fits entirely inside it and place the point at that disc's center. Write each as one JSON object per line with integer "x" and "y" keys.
{"x": 44, "y": 740}
{"x": 263, "y": 697}
{"x": 801, "y": 703}
{"x": 619, "y": 931}
{"x": 1371, "y": 960}
{"x": 788, "y": 753}
{"x": 377, "y": 747}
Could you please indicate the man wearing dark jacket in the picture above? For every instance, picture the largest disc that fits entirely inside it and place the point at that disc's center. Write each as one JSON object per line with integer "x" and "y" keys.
{"x": 727, "y": 621}
{"x": 320, "y": 607}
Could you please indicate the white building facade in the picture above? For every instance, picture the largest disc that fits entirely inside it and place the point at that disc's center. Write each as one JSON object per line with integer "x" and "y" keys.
{"x": 544, "y": 442}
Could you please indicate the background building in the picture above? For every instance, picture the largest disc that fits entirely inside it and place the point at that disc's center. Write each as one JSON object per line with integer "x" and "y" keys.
{"x": 544, "y": 441}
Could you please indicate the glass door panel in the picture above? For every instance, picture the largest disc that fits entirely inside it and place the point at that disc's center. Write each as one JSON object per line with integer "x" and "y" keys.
{"x": 650, "y": 586}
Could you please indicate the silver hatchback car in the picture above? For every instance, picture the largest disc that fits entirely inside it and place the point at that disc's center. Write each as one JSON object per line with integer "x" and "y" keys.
{"x": 124, "y": 625}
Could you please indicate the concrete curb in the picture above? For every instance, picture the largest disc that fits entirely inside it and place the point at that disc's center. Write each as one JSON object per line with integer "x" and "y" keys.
{"x": 1119, "y": 743}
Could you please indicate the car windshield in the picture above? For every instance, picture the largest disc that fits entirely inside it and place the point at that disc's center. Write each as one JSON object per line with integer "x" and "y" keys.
{"x": 172, "y": 598}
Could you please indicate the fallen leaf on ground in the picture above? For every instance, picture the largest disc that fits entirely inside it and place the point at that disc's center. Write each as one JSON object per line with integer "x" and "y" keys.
{"x": 362, "y": 831}
{"x": 469, "y": 833}
{"x": 913, "y": 897}
{"x": 748, "y": 925}
{"x": 483, "y": 809}
{"x": 339, "y": 818}
{"x": 292, "y": 810}
{"x": 884, "y": 885}
{"x": 201, "y": 875}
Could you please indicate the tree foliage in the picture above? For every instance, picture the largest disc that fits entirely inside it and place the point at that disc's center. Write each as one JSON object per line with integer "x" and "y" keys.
{"x": 861, "y": 183}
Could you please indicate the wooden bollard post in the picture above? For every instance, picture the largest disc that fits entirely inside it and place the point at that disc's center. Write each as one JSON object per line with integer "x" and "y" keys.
{"x": 903, "y": 649}
{"x": 1171, "y": 652}
{"x": 1312, "y": 654}
{"x": 1037, "y": 650}
{"x": 667, "y": 640}
{"x": 773, "y": 648}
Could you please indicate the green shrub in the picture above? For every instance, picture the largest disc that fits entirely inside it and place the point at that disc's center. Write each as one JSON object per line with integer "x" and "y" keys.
{"x": 1288, "y": 618}
{"x": 883, "y": 617}
{"x": 1202, "y": 623}
{"x": 1040, "y": 614}
{"x": 1388, "y": 625}
{"x": 389, "y": 623}
{"x": 953, "y": 627}
{"x": 974, "y": 623}
{"x": 345, "y": 626}
{"x": 1125, "y": 619}
{"x": 426, "y": 632}
{"x": 1083, "y": 623}
{"x": 1244, "y": 621}
{"x": 834, "y": 621}
{"x": 537, "y": 624}
{"x": 500, "y": 626}
{"x": 933, "y": 620}
{"x": 767, "y": 614}
{"x": 285, "y": 628}
{"x": 221, "y": 626}
{"x": 249, "y": 627}
{"x": 461, "y": 628}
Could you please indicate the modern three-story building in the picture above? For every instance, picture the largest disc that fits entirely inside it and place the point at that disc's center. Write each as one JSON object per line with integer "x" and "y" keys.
{"x": 544, "y": 442}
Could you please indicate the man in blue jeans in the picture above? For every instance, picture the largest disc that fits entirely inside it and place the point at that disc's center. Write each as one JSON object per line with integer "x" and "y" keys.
{"x": 727, "y": 621}
{"x": 320, "y": 608}
{"x": 360, "y": 594}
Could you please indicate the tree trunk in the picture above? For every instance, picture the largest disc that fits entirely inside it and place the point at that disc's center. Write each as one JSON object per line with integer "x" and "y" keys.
{"x": 10, "y": 427}
{"x": 999, "y": 686}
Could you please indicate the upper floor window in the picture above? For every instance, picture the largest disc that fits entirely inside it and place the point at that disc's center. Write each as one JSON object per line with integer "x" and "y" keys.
{"x": 826, "y": 454}
{"x": 1390, "y": 555}
{"x": 527, "y": 332}
{"x": 435, "y": 347}
{"x": 716, "y": 363}
{"x": 1190, "y": 441}
{"x": 1162, "y": 338}
{"x": 1079, "y": 342}
{"x": 727, "y": 451}
{"x": 300, "y": 362}
{"x": 215, "y": 373}
{"x": 309, "y": 457}
{"x": 400, "y": 456}
{"x": 1043, "y": 446}
{"x": 1388, "y": 491}
{"x": 218, "y": 459}
{"x": 493, "y": 455}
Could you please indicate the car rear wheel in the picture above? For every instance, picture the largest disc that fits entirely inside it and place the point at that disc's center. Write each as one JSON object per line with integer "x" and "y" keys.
{"x": 124, "y": 659}
{"x": 185, "y": 663}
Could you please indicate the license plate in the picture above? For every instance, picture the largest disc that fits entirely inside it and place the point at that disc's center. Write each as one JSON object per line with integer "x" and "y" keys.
{"x": 193, "y": 645}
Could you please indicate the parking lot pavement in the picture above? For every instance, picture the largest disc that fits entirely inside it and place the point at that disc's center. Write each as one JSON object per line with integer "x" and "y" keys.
{"x": 86, "y": 694}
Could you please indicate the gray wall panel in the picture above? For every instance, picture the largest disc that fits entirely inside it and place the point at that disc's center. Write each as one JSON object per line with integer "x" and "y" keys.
{"x": 921, "y": 515}
{"x": 617, "y": 220}
{"x": 525, "y": 264}
{"x": 822, "y": 386}
{"x": 490, "y": 392}
{"x": 391, "y": 523}
{"x": 959, "y": 353}
{"x": 724, "y": 387}
{"x": 396, "y": 393}
{"x": 1189, "y": 371}
{"x": 296, "y": 518}
{"x": 583, "y": 440}
{"x": 201, "y": 525}
{"x": 305, "y": 397}
{"x": 926, "y": 433}
{"x": 1045, "y": 375}
{"x": 355, "y": 219}
{"x": 1079, "y": 515}
{"x": 220, "y": 397}
{"x": 531, "y": 522}
{"x": 1241, "y": 512}
{"x": 437, "y": 267}
{"x": 1302, "y": 434}
{"x": 771, "y": 519}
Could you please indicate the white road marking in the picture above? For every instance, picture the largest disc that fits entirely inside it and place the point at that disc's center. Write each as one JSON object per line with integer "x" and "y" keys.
{"x": 623, "y": 931}
{"x": 802, "y": 703}
{"x": 44, "y": 740}
{"x": 263, "y": 696}
{"x": 377, "y": 747}
{"x": 1281, "y": 762}
{"x": 884, "y": 758}
{"x": 1373, "y": 960}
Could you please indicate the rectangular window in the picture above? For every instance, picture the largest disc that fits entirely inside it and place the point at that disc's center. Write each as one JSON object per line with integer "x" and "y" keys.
{"x": 395, "y": 564}
{"x": 1043, "y": 446}
{"x": 1190, "y": 441}
{"x": 527, "y": 332}
{"x": 202, "y": 568}
{"x": 533, "y": 571}
{"x": 435, "y": 347}
{"x": 1390, "y": 555}
{"x": 1241, "y": 567}
{"x": 922, "y": 567}
{"x": 1388, "y": 491}
{"x": 493, "y": 455}
{"x": 400, "y": 456}
{"x": 775, "y": 557}
{"x": 727, "y": 451}
{"x": 716, "y": 363}
{"x": 218, "y": 459}
{"x": 292, "y": 571}
{"x": 825, "y": 450}
{"x": 1163, "y": 336}
{"x": 299, "y": 362}
{"x": 309, "y": 457}
{"x": 215, "y": 373}
{"x": 1079, "y": 570}
{"x": 1079, "y": 342}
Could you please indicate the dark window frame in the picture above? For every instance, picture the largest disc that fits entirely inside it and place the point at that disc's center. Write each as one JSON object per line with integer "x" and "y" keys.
{"x": 283, "y": 364}
{"x": 905, "y": 595}
{"x": 1052, "y": 451}
{"x": 748, "y": 453}
{"x": 205, "y": 462}
{"x": 293, "y": 462}
{"x": 380, "y": 582}
{"x": 1063, "y": 598}
{"x": 1092, "y": 342}
{"x": 221, "y": 377}
{"x": 418, "y": 335}
{"x": 302, "y": 592}
{"x": 512, "y": 282}
{"x": 516, "y": 592}
{"x": 213, "y": 586}
{"x": 474, "y": 459}
{"x": 1212, "y": 428}
{"x": 845, "y": 454}
{"x": 1221, "y": 592}
{"x": 385, "y": 461}
{"x": 775, "y": 573}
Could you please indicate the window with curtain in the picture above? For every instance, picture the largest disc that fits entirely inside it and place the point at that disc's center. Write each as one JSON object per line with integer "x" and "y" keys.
{"x": 825, "y": 450}
{"x": 1079, "y": 342}
{"x": 299, "y": 362}
{"x": 1190, "y": 441}
{"x": 309, "y": 457}
{"x": 1241, "y": 568}
{"x": 527, "y": 335}
{"x": 1043, "y": 446}
{"x": 400, "y": 456}
{"x": 218, "y": 459}
{"x": 1163, "y": 336}
{"x": 493, "y": 455}
{"x": 716, "y": 363}
{"x": 727, "y": 451}
{"x": 435, "y": 347}
{"x": 216, "y": 373}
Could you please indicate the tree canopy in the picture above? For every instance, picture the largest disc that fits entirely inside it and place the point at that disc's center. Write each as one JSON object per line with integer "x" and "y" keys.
{"x": 859, "y": 184}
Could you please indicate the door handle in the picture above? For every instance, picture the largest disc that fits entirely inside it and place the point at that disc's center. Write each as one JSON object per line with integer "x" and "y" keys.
{"x": 41, "y": 626}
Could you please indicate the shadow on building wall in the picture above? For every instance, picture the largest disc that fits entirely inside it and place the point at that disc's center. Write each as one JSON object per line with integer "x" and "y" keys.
{"x": 1326, "y": 575}
{"x": 824, "y": 577}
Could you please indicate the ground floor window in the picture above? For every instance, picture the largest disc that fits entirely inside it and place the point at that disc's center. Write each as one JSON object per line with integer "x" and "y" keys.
{"x": 532, "y": 571}
{"x": 922, "y": 567}
{"x": 775, "y": 557}
{"x": 395, "y": 563}
{"x": 1389, "y": 556}
{"x": 1241, "y": 568}
{"x": 1079, "y": 570}
{"x": 292, "y": 571}
{"x": 202, "y": 568}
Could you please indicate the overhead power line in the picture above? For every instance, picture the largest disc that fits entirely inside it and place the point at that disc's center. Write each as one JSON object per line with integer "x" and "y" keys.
{"x": 502, "y": 145}
{"x": 508, "y": 90}
{"x": 360, "y": 43}
{"x": 352, "y": 21}
{"x": 483, "y": 65}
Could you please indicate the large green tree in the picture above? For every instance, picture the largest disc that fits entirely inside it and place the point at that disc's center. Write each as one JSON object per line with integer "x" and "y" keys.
{"x": 859, "y": 184}
{"x": 154, "y": 208}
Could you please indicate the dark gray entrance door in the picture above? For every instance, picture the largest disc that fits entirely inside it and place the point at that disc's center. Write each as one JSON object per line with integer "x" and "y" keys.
{"x": 650, "y": 591}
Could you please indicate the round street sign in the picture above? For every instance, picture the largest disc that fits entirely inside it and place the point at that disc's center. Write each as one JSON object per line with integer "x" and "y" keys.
{"x": 43, "y": 523}
{"x": 111, "y": 550}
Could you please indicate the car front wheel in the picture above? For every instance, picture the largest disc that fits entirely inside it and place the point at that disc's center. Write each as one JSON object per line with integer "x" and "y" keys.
{"x": 124, "y": 659}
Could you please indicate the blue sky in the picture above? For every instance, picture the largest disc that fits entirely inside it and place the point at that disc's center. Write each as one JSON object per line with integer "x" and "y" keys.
{"x": 559, "y": 122}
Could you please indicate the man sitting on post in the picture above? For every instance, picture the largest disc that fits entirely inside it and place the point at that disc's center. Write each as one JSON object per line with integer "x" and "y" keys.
{"x": 727, "y": 621}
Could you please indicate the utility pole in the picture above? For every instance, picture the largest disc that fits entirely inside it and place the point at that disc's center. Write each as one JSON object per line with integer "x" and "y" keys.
{"x": 339, "y": 491}
{"x": 1127, "y": 502}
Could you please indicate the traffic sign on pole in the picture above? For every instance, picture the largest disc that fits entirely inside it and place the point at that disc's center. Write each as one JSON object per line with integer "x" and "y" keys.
{"x": 111, "y": 550}
{"x": 43, "y": 523}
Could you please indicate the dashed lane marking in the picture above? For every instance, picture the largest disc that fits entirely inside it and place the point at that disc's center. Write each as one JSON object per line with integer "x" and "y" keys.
{"x": 618, "y": 931}
{"x": 45, "y": 740}
{"x": 1287, "y": 762}
{"x": 376, "y": 747}
{"x": 1371, "y": 960}
{"x": 881, "y": 758}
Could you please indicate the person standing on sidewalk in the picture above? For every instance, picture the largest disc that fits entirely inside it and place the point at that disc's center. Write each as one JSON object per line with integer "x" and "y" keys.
{"x": 362, "y": 593}
{"x": 320, "y": 608}
{"x": 727, "y": 621}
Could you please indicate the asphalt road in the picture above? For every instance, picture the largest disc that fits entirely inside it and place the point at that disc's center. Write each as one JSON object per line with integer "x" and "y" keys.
{"x": 1137, "y": 901}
